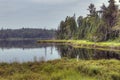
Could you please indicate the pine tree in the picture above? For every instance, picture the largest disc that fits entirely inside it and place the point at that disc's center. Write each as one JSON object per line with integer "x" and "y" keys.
{"x": 92, "y": 10}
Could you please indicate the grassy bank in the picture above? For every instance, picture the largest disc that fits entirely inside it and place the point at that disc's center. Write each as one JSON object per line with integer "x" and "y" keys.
{"x": 87, "y": 44}
{"x": 62, "y": 70}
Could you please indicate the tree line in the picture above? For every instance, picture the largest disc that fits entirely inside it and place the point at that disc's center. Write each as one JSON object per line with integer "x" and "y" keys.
{"x": 27, "y": 33}
{"x": 98, "y": 25}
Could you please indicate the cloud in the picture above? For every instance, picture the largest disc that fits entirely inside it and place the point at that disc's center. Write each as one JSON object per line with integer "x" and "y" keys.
{"x": 53, "y": 1}
{"x": 41, "y": 13}
{"x": 117, "y": 2}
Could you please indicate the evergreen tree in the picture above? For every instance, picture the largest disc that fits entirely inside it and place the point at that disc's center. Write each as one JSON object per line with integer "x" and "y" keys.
{"x": 80, "y": 21}
{"x": 110, "y": 13}
{"x": 92, "y": 10}
{"x": 60, "y": 34}
{"x": 96, "y": 26}
{"x": 71, "y": 27}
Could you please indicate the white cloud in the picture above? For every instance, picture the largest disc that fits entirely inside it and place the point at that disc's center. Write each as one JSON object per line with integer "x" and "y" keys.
{"x": 117, "y": 2}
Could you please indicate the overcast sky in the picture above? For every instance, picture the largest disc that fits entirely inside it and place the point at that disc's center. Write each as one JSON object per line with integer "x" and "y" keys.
{"x": 41, "y": 13}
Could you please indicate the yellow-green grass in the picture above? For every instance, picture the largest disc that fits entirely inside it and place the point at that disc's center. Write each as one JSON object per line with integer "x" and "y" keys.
{"x": 65, "y": 69}
{"x": 85, "y": 43}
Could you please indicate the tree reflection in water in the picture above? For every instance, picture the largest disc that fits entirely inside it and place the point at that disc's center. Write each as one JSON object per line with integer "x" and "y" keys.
{"x": 87, "y": 54}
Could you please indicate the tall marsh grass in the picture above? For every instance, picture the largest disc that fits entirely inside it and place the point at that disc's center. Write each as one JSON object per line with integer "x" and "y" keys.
{"x": 64, "y": 69}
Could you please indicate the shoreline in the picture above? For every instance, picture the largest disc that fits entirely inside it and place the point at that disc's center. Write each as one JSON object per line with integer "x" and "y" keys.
{"x": 87, "y": 44}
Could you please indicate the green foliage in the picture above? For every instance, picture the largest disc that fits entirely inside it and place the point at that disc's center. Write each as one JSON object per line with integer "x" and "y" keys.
{"x": 67, "y": 28}
{"x": 96, "y": 26}
{"x": 65, "y": 69}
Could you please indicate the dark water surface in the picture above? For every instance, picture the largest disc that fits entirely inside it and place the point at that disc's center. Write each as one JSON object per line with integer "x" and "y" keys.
{"x": 29, "y": 50}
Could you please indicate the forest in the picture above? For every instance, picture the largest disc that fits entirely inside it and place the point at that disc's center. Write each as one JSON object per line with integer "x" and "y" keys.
{"x": 82, "y": 48}
{"x": 26, "y": 33}
{"x": 98, "y": 25}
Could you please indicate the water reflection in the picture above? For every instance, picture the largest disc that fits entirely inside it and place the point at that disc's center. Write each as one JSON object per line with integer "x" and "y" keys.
{"x": 87, "y": 54}
{"x": 21, "y": 44}
{"x": 26, "y": 51}
{"x": 29, "y": 50}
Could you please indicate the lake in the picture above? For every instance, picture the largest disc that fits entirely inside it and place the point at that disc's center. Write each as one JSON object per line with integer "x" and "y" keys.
{"x": 30, "y": 51}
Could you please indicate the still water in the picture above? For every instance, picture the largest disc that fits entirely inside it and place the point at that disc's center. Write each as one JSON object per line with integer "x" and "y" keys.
{"x": 29, "y": 51}
{"x": 26, "y": 51}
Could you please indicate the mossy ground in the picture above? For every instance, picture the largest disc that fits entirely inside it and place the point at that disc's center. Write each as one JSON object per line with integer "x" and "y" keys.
{"x": 64, "y": 69}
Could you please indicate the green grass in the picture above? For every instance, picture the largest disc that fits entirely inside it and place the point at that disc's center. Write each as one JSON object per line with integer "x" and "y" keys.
{"x": 65, "y": 69}
{"x": 87, "y": 44}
